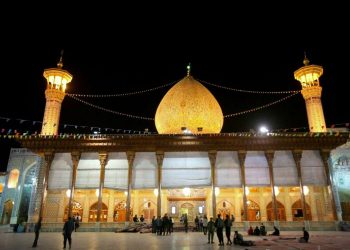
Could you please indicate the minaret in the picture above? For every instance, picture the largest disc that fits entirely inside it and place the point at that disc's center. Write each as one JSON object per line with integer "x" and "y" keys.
{"x": 57, "y": 80}
{"x": 308, "y": 76}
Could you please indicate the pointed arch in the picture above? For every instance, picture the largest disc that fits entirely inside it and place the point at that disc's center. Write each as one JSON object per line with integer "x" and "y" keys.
{"x": 148, "y": 209}
{"x": 298, "y": 213}
{"x": 281, "y": 212}
{"x": 77, "y": 209}
{"x": 119, "y": 214}
{"x": 224, "y": 207}
{"x": 253, "y": 211}
{"x": 93, "y": 212}
{"x": 7, "y": 212}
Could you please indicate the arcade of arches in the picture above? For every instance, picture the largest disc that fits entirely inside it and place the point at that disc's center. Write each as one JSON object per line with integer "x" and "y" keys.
{"x": 197, "y": 202}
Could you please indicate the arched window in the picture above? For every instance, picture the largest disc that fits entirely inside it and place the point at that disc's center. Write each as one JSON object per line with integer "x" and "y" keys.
{"x": 13, "y": 178}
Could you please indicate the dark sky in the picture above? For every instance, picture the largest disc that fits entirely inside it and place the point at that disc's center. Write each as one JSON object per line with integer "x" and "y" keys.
{"x": 128, "y": 49}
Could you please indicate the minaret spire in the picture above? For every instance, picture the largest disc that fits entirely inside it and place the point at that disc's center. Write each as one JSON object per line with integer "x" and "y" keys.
{"x": 189, "y": 69}
{"x": 306, "y": 61}
{"x": 60, "y": 63}
{"x": 57, "y": 81}
{"x": 308, "y": 76}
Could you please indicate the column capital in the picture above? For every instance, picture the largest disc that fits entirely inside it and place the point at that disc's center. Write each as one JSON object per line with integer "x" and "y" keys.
{"x": 130, "y": 155}
{"x": 75, "y": 157}
{"x": 160, "y": 158}
{"x": 103, "y": 157}
{"x": 269, "y": 154}
{"x": 48, "y": 157}
{"x": 325, "y": 153}
{"x": 212, "y": 157}
{"x": 241, "y": 156}
{"x": 297, "y": 154}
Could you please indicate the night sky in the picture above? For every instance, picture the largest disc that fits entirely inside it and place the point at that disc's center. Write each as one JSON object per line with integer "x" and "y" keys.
{"x": 117, "y": 52}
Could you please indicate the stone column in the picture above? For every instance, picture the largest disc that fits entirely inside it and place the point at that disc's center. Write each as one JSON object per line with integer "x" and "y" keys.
{"x": 103, "y": 162}
{"x": 131, "y": 156}
{"x": 269, "y": 157}
{"x": 297, "y": 154}
{"x": 241, "y": 157}
{"x": 75, "y": 159}
{"x": 160, "y": 158}
{"x": 48, "y": 158}
{"x": 325, "y": 153}
{"x": 212, "y": 159}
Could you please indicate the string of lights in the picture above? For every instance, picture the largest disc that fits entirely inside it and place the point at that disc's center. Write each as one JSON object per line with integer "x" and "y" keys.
{"x": 260, "y": 107}
{"x": 249, "y": 91}
{"x": 27, "y": 127}
{"x": 151, "y": 119}
{"x": 30, "y": 127}
{"x": 111, "y": 111}
{"x": 122, "y": 94}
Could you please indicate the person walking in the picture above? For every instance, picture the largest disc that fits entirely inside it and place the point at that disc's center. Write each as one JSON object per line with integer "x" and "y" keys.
{"x": 211, "y": 230}
{"x": 37, "y": 231}
{"x": 68, "y": 229}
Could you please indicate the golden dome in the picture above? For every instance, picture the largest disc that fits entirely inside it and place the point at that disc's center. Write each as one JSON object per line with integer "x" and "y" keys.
{"x": 189, "y": 107}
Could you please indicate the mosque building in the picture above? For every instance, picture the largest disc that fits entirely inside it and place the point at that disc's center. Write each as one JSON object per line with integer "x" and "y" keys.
{"x": 189, "y": 167}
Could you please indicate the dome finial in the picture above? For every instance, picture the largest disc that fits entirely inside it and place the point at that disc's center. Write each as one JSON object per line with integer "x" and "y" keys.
{"x": 306, "y": 61}
{"x": 189, "y": 69}
{"x": 60, "y": 63}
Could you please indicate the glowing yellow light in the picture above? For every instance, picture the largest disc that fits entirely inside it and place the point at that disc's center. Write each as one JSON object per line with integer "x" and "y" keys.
{"x": 155, "y": 191}
{"x": 306, "y": 190}
{"x": 97, "y": 192}
{"x": 190, "y": 105}
{"x": 277, "y": 190}
{"x": 186, "y": 191}
{"x": 247, "y": 190}
{"x": 68, "y": 192}
{"x": 217, "y": 191}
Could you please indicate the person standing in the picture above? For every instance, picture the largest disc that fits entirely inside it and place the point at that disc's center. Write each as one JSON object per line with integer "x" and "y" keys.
{"x": 68, "y": 229}
{"x": 211, "y": 230}
{"x": 205, "y": 225}
{"x": 37, "y": 231}
{"x": 228, "y": 225}
{"x": 186, "y": 223}
{"x": 76, "y": 223}
{"x": 219, "y": 224}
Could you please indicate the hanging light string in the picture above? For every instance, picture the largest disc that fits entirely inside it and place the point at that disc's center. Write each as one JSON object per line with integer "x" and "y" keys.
{"x": 249, "y": 91}
{"x": 123, "y": 94}
{"x": 24, "y": 127}
{"x": 260, "y": 107}
{"x": 109, "y": 110}
{"x": 151, "y": 119}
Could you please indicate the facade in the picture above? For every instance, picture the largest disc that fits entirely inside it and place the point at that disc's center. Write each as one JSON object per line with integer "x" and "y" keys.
{"x": 284, "y": 179}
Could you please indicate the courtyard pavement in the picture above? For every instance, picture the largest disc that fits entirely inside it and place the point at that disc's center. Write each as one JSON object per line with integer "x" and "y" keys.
{"x": 178, "y": 240}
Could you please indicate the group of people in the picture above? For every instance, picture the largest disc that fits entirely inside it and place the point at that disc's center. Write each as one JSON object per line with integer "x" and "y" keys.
{"x": 262, "y": 231}
{"x": 219, "y": 226}
{"x": 135, "y": 219}
{"x": 162, "y": 225}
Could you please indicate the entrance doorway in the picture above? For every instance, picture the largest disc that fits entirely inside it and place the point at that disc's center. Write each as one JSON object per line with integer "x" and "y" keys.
{"x": 281, "y": 212}
{"x": 77, "y": 209}
{"x": 298, "y": 213}
{"x": 187, "y": 208}
{"x": 6, "y": 215}
{"x": 93, "y": 213}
